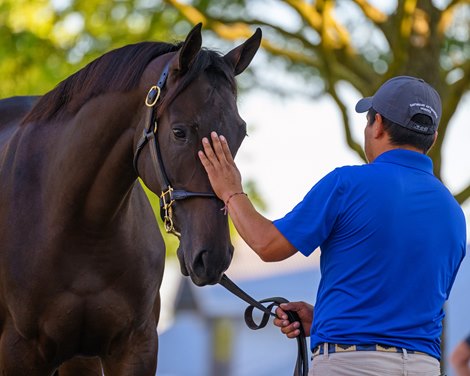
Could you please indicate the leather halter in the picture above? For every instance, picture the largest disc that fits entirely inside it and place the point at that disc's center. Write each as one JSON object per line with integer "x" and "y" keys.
{"x": 149, "y": 136}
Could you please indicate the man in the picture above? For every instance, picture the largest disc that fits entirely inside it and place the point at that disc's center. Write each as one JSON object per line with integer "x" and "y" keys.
{"x": 460, "y": 358}
{"x": 392, "y": 238}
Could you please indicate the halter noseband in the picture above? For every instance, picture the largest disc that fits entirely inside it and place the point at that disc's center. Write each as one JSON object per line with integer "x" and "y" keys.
{"x": 168, "y": 195}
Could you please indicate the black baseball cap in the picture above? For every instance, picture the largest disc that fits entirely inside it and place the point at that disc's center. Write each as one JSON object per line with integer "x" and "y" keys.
{"x": 402, "y": 97}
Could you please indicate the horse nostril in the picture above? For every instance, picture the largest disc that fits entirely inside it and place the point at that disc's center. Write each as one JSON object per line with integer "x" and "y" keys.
{"x": 207, "y": 270}
{"x": 208, "y": 266}
{"x": 199, "y": 264}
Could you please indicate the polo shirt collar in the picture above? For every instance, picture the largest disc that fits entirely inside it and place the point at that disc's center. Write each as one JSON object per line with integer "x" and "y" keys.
{"x": 407, "y": 158}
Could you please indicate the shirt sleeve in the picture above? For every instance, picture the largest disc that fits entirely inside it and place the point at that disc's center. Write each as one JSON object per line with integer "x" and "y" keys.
{"x": 311, "y": 221}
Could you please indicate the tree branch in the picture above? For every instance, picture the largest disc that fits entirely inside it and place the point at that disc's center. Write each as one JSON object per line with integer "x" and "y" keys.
{"x": 236, "y": 29}
{"x": 371, "y": 12}
{"x": 454, "y": 3}
{"x": 402, "y": 22}
{"x": 331, "y": 78}
{"x": 448, "y": 13}
{"x": 451, "y": 99}
{"x": 308, "y": 45}
{"x": 307, "y": 12}
{"x": 355, "y": 146}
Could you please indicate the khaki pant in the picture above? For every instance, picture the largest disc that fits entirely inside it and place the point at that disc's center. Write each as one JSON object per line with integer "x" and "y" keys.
{"x": 374, "y": 363}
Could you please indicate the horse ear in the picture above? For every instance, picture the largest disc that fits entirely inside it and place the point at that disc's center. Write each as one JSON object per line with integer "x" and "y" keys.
{"x": 240, "y": 57}
{"x": 190, "y": 48}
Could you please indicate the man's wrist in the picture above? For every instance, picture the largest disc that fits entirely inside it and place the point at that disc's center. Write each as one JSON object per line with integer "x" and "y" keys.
{"x": 229, "y": 197}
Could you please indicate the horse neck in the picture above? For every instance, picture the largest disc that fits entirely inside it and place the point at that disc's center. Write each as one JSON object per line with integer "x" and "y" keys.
{"x": 95, "y": 163}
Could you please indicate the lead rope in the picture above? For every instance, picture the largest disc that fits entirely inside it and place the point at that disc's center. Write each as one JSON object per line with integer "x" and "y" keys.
{"x": 301, "y": 365}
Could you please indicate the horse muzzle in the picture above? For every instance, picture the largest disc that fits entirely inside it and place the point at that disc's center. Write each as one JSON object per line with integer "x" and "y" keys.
{"x": 205, "y": 267}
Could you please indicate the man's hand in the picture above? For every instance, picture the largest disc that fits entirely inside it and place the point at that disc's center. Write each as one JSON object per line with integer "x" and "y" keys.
{"x": 218, "y": 162}
{"x": 257, "y": 231}
{"x": 291, "y": 329}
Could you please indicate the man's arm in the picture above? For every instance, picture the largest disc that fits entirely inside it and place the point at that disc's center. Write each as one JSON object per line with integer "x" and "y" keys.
{"x": 257, "y": 231}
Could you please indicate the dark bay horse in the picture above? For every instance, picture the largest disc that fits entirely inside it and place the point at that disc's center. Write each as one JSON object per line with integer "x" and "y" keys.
{"x": 81, "y": 257}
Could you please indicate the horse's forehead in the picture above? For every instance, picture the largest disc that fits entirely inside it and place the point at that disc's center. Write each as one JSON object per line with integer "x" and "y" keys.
{"x": 204, "y": 86}
{"x": 203, "y": 100}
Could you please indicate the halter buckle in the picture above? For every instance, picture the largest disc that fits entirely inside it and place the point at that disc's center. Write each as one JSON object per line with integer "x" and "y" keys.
{"x": 166, "y": 201}
{"x": 152, "y": 96}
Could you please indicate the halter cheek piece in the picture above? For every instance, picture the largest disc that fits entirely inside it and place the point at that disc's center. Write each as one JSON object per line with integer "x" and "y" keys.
{"x": 168, "y": 195}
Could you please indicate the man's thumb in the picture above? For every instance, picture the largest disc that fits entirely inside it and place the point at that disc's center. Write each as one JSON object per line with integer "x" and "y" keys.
{"x": 289, "y": 307}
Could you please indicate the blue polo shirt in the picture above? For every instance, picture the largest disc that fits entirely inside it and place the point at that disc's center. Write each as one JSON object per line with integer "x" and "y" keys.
{"x": 392, "y": 238}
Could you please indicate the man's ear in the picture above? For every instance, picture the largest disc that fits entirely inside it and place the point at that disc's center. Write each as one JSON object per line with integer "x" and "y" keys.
{"x": 378, "y": 126}
{"x": 433, "y": 142}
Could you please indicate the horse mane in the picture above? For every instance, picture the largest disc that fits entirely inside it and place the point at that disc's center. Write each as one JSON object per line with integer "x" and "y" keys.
{"x": 120, "y": 70}
{"x": 116, "y": 71}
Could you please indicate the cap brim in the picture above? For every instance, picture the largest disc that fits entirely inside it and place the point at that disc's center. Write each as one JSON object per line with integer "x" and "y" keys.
{"x": 365, "y": 104}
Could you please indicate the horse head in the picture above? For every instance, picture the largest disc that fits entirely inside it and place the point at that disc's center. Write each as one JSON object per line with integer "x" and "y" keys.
{"x": 198, "y": 95}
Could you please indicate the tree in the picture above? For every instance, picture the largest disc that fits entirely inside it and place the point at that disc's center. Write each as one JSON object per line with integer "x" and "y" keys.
{"x": 331, "y": 42}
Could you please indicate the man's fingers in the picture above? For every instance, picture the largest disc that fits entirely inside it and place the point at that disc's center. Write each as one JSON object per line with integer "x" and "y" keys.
{"x": 281, "y": 314}
{"x": 278, "y": 322}
{"x": 219, "y": 151}
{"x": 293, "y": 334}
{"x": 290, "y": 306}
{"x": 217, "y": 145}
{"x": 291, "y": 330}
{"x": 226, "y": 149}
{"x": 208, "y": 150}
{"x": 204, "y": 160}
{"x": 296, "y": 307}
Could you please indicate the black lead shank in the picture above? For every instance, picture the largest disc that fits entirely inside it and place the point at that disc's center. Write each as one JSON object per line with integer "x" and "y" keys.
{"x": 301, "y": 365}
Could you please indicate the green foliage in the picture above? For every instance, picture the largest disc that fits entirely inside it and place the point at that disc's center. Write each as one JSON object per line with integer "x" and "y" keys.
{"x": 42, "y": 42}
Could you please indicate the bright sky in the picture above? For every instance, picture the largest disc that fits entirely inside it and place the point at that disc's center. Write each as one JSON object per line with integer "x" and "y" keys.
{"x": 294, "y": 142}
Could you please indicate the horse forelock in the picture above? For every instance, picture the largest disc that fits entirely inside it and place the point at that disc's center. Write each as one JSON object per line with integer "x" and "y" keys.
{"x": 119, "y": 70}
{"x": 216, "y": 69}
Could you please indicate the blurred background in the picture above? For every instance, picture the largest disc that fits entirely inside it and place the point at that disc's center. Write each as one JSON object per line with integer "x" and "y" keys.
{"x": 317, "y": 59}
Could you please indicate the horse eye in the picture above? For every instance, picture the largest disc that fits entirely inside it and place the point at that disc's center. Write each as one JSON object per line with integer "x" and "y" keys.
{"x": 179, "y": 133}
